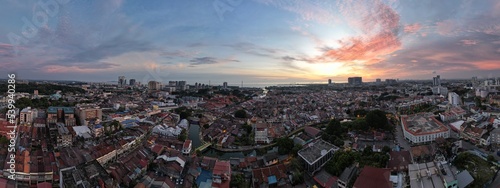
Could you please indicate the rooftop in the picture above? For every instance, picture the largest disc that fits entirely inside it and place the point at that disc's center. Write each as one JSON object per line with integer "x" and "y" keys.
{"x": 54, "y": 109}
{"x": 421, "y": 124}
{"x": 371, "y": 177}
{"x": 316, "y": 151}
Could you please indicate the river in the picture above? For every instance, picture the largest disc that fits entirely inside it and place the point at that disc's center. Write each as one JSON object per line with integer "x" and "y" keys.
{"x": 193, "y": 135}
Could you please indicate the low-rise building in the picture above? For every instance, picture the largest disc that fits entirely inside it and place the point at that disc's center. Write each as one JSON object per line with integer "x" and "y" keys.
{"x": 399, "y": 160}
{"x": 432, "y": 174}
{"x": 316, "y": 154}
{"x": 422, "y": 128}
{"x": 88, "y": 113}
{"x": 272, "y": 176}
{"x": 221, "y": 174}
{"x": 64, "y": 137}
{"x": 186, "y": 147}
{"x": 347, "y": 176}
{"x": 371, "y": 177}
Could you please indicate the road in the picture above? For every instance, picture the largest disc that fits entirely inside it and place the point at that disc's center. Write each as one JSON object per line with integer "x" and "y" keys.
{"x": 469, "y": 146}
{"x": 400, "y": 139}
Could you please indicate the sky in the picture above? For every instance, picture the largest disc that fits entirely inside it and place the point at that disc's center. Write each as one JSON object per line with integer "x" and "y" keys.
{"x": 250, "y": 41}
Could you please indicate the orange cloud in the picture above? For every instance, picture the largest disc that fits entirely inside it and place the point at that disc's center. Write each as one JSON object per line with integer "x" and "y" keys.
{"x": 487, "y": 65}
{"x": 366, "y": 50}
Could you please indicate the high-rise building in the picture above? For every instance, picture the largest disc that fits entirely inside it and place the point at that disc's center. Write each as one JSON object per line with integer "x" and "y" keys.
{"x": 329, "y": 81}
{"x": 154, "y": 85}
{"x": 121, "y": 81}
{"x": 474, "y": 79}
{"x": 132, "y": 82}
{"x": 88, "y": 114}
{"x": 378, "y": 80}
{"x": 453, "y": 98}
{"x": 355, "y": 80}
{"x": 224, "y": 85}
{"x": 390, "y": 81}
{"x": 436, "y": 81}
{"x": 181, "y": 85}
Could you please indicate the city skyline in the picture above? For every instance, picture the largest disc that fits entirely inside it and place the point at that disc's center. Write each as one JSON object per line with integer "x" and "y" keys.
{"x": 259, "y": 41}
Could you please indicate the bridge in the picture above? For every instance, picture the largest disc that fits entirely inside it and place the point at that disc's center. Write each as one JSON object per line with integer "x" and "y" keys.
{"x": 204, "y": 146}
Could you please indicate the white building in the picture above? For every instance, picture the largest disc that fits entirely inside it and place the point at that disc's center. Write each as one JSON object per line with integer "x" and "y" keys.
{"x": 422, "y": 128}
{"x": 453, "y": 98}
{"x": 186, "y": 147}
{"x": 261, "y": 133}
{"x": 164, "y": 130}
{"x": 27, "y": 115}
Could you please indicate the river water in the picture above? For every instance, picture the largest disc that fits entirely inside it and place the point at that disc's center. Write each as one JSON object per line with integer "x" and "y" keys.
{"x": 193, "y": 135}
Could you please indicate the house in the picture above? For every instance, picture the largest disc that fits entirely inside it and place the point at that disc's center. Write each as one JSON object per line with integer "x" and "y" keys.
{"x": 270, "y": 176}
{"x": 325, "y": 180}
{"x": 422, "y": 153}
{"x": 221, "y": 174}
{"x": 371, "y": 177}
{"x": 271, "y": 159}
{"x": 186, "y": 147}
{"x": 347, "y": 176}
{"x": 399, "y": 161}
{"x": 464, "y": 179}
{"x": 311, "y": 131}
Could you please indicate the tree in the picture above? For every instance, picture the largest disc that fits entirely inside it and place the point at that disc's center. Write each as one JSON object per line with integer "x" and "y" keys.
{"x": 296, "y": 164}
{"x": 285, "y": 145}
{"x": 248, "y": 128}
{"x": 297, "y": 178}
{"x": 296, "y": 149}
{"x": 198, "y": 153}
{"x": 360, "y": 113}
{"x": 491, "y": 158}
{"x": 240, "y": 114}
{"x": 386, "y": 149}
{"x": 183, "y": 135}
{"x": 376, "y": 119}
{"x": 237, "y": 180}
{"x": 334, "y": 128}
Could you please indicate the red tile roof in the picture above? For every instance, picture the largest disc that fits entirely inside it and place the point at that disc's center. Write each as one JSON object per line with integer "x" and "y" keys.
{"x": 222, "y": 167}
{"x": 371, "y": 177}
{"x": 312, "y": 131}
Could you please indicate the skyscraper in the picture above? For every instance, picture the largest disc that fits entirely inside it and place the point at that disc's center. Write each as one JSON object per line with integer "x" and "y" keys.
{"x": 154, "y": 85}
{"x": 121, "y": 81}
{"x": 329, "y": 81}
{"x": 132, "y": 82}
{"x": 224, "y": 85}
{"x": 355, "y": 80}
{"x": 436, "y": 81}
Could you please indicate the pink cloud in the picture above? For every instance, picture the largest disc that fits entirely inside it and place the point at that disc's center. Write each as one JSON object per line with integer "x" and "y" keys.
{"x": 378, "y": 22}
{"x": 412, "y": 28}
{"x": 365, "y": 49}
{"x": 467, "y": 42}
{"x": 488, "y": 65}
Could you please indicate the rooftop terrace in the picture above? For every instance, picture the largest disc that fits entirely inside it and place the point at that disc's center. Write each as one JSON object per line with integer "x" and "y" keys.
{"x": 316, "y": 151}
{"x": 420, "y": 124}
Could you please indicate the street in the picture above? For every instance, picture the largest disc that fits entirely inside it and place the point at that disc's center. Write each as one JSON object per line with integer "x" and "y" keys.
{"x": 469, "y": 146}
{"x": 400, "y": 139}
